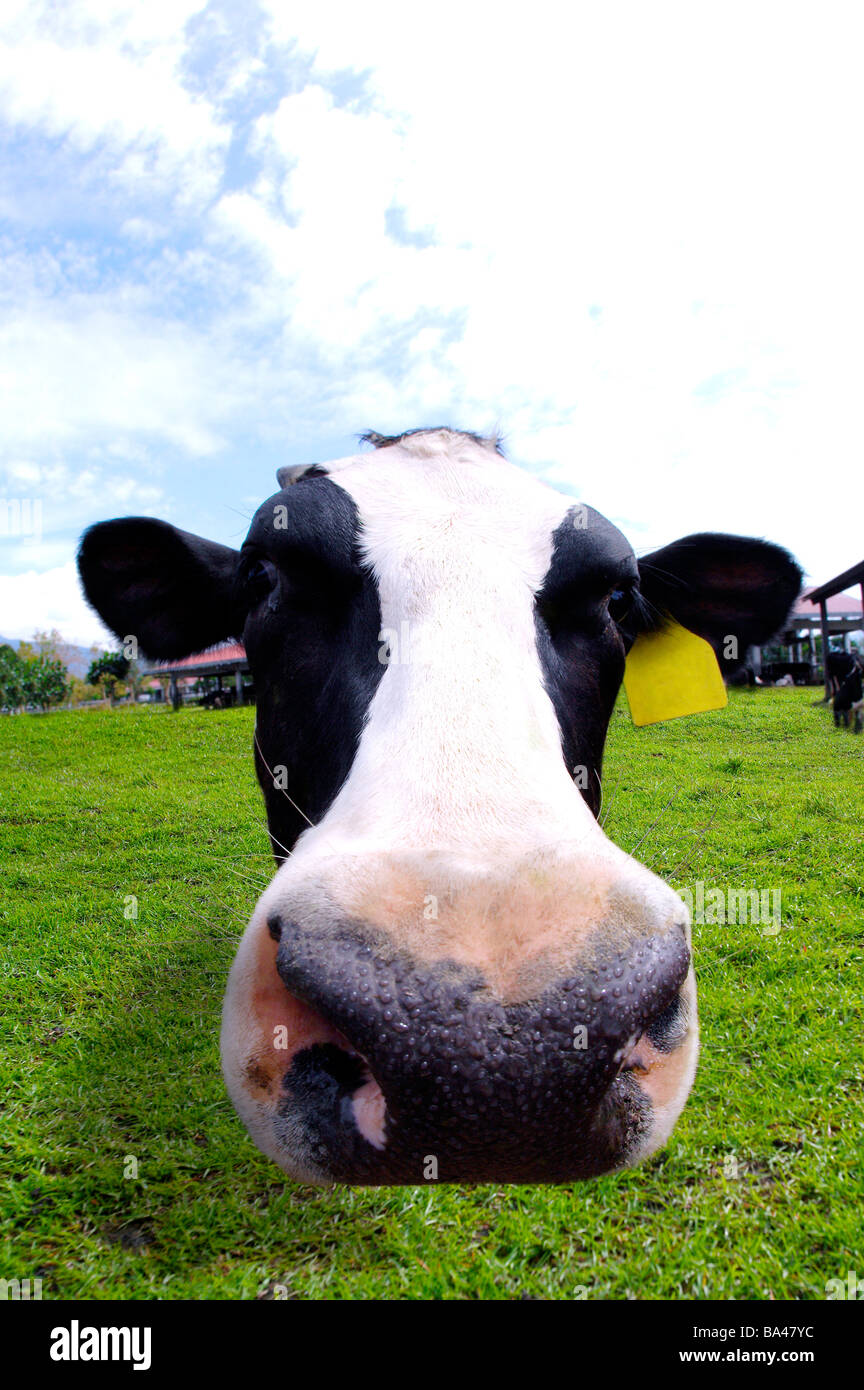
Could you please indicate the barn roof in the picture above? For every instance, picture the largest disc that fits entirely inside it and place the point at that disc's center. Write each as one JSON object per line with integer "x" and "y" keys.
{"x": 838, "y": 605}
{"x": 855, "y": 575}
{"x": 225, "y": 657}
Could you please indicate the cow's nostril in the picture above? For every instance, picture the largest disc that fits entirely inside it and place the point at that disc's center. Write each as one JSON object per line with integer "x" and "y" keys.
{"x": 274, "y": 926}
{"x": 663, "y": 1033}
{"x": 667, "y": 1029}
{"x": 339, "y": 1099}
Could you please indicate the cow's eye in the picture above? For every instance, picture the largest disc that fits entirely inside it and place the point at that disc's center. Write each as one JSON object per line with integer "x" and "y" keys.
{"x": 620, "y": 601}
{"x": 630, "y": 610}
{"x": 258, "y": 578}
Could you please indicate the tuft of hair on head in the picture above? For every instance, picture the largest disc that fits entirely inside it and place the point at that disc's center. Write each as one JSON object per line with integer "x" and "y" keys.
{"x": 383, "y": 441}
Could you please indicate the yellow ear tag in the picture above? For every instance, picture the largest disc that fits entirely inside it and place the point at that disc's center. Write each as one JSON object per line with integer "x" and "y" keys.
{"x": 670, "y": 673}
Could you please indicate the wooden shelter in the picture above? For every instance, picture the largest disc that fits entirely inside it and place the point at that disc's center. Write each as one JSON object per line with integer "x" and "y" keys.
{"x": 824, "y": 592}
{"x": 226, "y": 660}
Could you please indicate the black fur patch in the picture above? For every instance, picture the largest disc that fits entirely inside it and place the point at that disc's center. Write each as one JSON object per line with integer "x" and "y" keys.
{"x": 580, "y": 646}
{"x": 313, "y": 646}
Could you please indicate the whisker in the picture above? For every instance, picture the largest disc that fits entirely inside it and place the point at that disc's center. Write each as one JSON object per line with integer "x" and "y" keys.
{"x": 685, "y": 863}
{"x": 232, "y": 858}
{"x": 649, "y": 864}
{"x": 220, "y": 936}
{"x": 248, "y": 878}
{"x": 654, "y": 822}
{"x": 280, "y": 789}
{"x": 600, "y": 785}
{"x": 286, "y": 851}
{"x": 284, "y": 793}
{"x": 602, "y": 820}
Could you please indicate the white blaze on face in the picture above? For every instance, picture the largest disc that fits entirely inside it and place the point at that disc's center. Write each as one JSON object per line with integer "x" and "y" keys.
{"x": 461, "y": 745}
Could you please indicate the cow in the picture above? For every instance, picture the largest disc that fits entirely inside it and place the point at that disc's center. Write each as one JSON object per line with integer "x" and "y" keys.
{"x": 848, "y": 698}
{"x": 453, "y": 973}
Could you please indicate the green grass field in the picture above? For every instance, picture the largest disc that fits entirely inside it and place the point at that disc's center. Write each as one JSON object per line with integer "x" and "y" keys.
{"x": 110, "y": 1025}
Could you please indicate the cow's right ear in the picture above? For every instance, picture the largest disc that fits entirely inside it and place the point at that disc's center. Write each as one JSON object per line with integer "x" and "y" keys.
{"x": 173, "y": 591}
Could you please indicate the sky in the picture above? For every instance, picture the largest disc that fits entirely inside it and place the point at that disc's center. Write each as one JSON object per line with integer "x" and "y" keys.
{"x": 234, "y": 235}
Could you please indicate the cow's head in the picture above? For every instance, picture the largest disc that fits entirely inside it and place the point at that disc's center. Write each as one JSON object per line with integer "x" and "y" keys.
{"x": 453, "y": 972}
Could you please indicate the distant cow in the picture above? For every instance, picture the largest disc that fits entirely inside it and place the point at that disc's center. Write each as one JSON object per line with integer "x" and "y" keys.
{"x": 848, "y": 698}
{"x": 218, "y": 699}
{"x": 838, "y": 665}
{"x": 453, "y": 973}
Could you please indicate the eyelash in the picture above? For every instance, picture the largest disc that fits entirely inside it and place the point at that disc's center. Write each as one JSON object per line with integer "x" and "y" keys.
{"x": 257, "y": 576}
{"x": 637, "y": 612}
{"x": 624, "y": 603}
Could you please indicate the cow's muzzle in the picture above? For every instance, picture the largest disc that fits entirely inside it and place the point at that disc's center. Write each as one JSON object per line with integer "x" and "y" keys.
{"x": 405, "y": 1072}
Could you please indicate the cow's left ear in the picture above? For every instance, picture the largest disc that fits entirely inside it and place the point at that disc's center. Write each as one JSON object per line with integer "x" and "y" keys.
{"x": 734, "y": 591}
{"x": 171, "y": 590}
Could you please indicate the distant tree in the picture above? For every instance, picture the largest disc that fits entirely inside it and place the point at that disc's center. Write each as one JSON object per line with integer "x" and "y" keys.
{"x": 107, "y": 671}
{"x": 79, "y": 691}
{"x": 45, "y": 682}
{"x": 11, "y": 679}
{"x": 52, "y": 644}
{"x": 28, "y": 678}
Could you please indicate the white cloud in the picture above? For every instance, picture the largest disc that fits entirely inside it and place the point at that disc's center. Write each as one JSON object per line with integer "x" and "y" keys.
{"x": 40, "y": 600}
{"x": 83, "y": 368}
{"x": 647, "y": 219}
{"x": 108, "y": 74}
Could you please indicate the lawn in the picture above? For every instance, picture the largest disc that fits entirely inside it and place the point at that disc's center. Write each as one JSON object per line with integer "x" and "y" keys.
{"x": 133, "y": 846}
